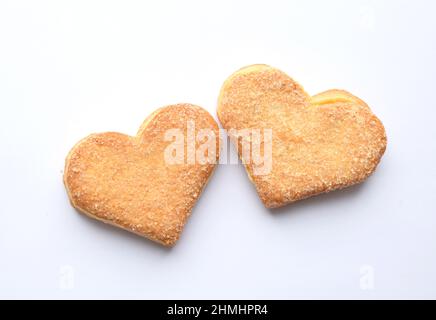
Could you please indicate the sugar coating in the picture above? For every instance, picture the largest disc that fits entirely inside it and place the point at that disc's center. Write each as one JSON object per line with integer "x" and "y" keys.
{"x": 321, "y": 143}
{"x": 125, "y": 181}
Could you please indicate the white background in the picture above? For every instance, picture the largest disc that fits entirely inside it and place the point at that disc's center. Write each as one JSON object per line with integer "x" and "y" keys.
{"x": 70, "y": 68}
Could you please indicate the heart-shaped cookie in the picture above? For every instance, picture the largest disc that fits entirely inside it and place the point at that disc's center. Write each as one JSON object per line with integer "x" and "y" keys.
{"x": 319, "y": 144}
{"x": 133, "y": 183}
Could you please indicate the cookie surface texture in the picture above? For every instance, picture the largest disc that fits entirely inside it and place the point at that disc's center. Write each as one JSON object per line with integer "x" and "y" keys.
{"x": 128, "y": 182}
{"x": 319, "y": 144}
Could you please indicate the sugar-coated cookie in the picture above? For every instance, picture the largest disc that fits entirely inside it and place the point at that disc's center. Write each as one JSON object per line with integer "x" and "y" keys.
{"x": 127, "y": 181}
{"x": 321, "y": 143}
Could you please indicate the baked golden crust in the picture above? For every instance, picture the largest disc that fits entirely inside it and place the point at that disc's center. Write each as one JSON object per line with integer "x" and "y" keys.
{"x": 321, "y": 143}
{"x": 125, "y": 181}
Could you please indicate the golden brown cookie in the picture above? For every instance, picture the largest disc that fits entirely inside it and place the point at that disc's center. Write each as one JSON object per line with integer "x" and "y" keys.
{"x": 319, "y": 144}
{"x": 129, "y": 183}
